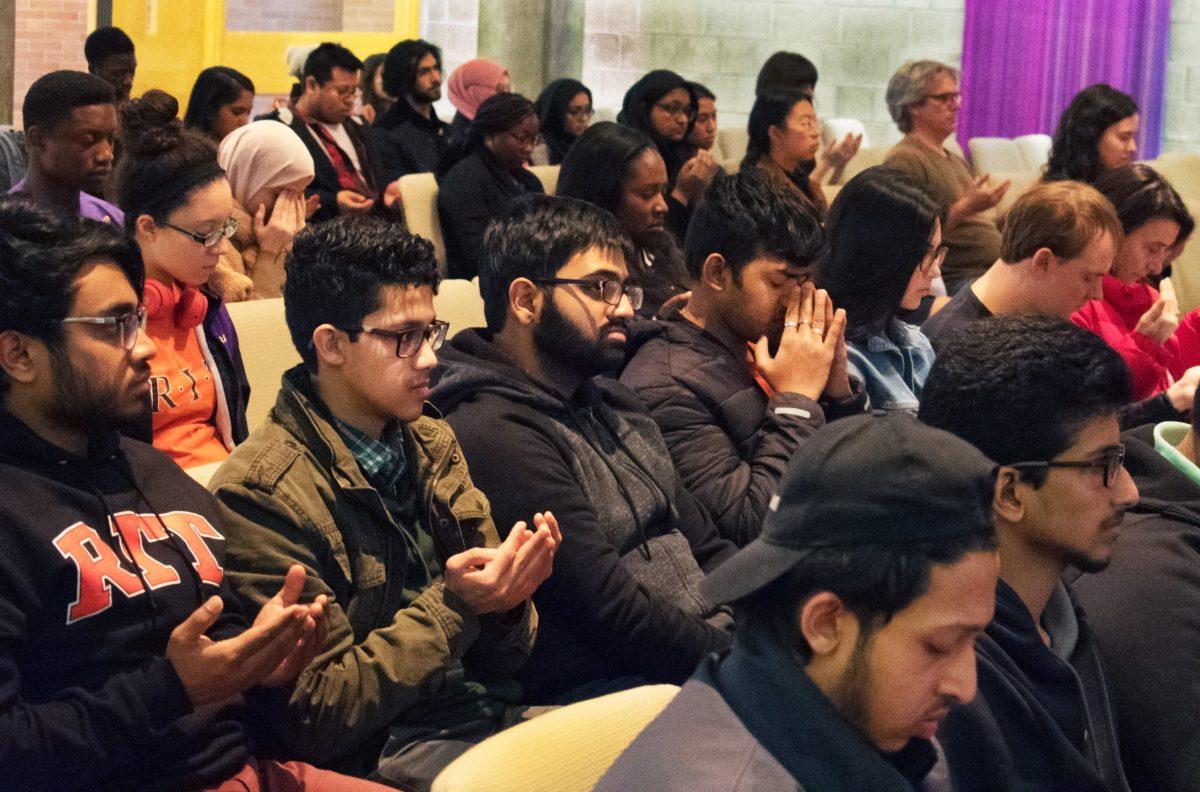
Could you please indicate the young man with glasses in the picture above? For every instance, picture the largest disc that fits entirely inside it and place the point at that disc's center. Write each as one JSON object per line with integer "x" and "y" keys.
{"x": 1041, "y": 398}
{"x": 923, "y": 99}
{"x": 347, "y": 179}
{"x": 538, "y": 426}
{"x": 747, "y": 370}
{"x": 430, "y": 612}
{"x": 119, "y": 637}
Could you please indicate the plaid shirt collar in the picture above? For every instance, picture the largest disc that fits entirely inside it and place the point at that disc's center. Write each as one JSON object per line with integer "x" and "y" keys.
{"x": 382, "y": 462}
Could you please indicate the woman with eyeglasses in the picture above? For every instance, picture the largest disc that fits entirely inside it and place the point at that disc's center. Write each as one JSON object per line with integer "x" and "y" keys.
{"x": 178, "y": 206}
{"x": 784, "y": 138}
{"x": 883, "y": 251}
{"x": 1096, "y": 134}
{"x": 487, "y": 172}
{"x": 1136, "y": 319}
{"x": 564, "y": 109}
{"x": 663, "y": 105}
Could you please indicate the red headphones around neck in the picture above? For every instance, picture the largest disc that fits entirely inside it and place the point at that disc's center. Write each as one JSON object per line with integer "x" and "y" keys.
{"x": 185, "y": 307}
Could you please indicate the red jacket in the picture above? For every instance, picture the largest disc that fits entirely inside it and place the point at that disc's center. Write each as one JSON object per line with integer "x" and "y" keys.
{"x": 1153, "y": 366}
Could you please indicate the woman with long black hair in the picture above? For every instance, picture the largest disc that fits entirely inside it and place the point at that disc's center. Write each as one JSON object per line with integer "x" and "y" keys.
{"x": 784, "y": 138}
{"x": 1096, "y": 134}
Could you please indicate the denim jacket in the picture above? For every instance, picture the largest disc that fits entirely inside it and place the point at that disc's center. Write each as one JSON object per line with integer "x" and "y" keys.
{"x": 893, "y": 366}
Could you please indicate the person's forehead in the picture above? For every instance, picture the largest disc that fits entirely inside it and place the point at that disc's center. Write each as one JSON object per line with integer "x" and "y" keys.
{"x": 102, "y": 286}
{"x": 1159, "y": 230}
{"x": 675, "y": 95}
{"x": 595, "y": 261}
{"x": 100, "y": 117}
{"x": 648, "y": 166}
{"x": 341, "y": 75}
{"x": 960, "y": 596}
{"x": 427, "y": 61}
{"x": 941, "y": 82}
{"x": 121, "y": 60}
{"x": 1094, "y": 435}
{"x": 399, "y": 305}
{"x": 580, "y": 99}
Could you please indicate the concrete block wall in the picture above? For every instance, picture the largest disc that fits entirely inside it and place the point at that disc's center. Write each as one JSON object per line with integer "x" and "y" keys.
{"x": 49, "y": 35}
{"x": 1182, "y": 127}
{"x": 856, "y": 45}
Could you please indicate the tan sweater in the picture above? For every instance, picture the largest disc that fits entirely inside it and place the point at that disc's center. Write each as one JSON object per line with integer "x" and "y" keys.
{"x": 974, "y": 244}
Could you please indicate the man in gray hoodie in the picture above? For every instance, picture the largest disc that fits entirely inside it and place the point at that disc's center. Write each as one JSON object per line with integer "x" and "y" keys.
{"x": 623, "y": 605}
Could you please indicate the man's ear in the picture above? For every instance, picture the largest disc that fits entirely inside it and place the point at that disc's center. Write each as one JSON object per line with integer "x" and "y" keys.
{"x": 525, "y": 299}
{"x": 1011, "y": 493}
{"x": 823, "y": 623}
{"x": 715, "y": 273}
{"x": 330, "y": 345}
{"x": 35, "y": 137}
{"x": 20, "y": 356}
{"x": 1044, "y": 259}
{"x": 311, "y": 84}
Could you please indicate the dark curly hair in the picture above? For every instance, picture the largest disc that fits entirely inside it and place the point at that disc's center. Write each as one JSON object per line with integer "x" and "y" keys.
{"x": 1075, "y": 152}
{"x": 1140, "y": 194}
{"x": 877, "y": 235}
{"x": 215, "y": 87}
{"x": 42, "y": 256}
{"x": 162, "y": 162}
{"x": 1019, "y": 388}
{"x": 747, "y": 215}
{"x": 336, "y": 270}
{"x": 534, "y": 239}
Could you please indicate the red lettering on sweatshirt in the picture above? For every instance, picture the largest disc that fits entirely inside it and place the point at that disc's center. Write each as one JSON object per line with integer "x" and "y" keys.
{"x": 99, "y": 567}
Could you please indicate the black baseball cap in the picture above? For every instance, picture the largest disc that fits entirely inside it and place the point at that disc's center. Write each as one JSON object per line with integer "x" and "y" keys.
{"x": 877, "y": 479}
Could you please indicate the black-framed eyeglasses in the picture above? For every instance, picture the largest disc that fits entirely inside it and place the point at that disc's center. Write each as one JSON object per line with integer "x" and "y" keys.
{"x": 610, "y": 291}
{"x": 408, "y": 342}
{"x": 1111, "y": 464}
{"x": 581, "y": 112}
{"x": 211, "y": 239}
{"x": 677, "y": 109}
{"x": 934, "y": 258}
{"x": 947, "y": 98}
{"x": 127, "y": 324}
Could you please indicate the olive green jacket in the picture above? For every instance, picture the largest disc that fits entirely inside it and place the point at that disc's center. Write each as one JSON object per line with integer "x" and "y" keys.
{"x": 293, "y": 493}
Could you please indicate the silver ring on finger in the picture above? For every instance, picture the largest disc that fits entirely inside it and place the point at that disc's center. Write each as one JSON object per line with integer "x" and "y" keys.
{"x": 791, "y": 324}
{"x": 818, "y": 330}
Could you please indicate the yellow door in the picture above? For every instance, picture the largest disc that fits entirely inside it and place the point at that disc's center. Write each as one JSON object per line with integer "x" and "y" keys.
{"x": 176, "y": 39}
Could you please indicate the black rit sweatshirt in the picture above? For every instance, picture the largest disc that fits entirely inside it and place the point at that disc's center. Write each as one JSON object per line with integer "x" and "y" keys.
{"x": 101, "y": 557}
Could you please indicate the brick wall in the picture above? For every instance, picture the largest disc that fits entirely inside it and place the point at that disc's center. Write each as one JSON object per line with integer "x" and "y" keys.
{"x": 284, "y": 15}
{"x": 49, "y": 36}
{"x": 1182, "y": 127}
{"x": 856, "y": 44}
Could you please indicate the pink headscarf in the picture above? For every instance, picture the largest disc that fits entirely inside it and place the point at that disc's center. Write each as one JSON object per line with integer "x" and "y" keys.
{"x": 473, "y": 83}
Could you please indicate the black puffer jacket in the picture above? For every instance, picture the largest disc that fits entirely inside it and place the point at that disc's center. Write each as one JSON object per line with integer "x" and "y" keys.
{"x": 730, "y": 442}
{"x": 624, "y": 599}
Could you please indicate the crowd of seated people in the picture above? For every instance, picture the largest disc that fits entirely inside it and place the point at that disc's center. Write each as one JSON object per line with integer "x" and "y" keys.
{"x": 853, "y": 474}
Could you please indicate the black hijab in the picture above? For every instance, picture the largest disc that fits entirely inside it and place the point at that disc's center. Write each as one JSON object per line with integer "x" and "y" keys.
{"x": 551, "y": 108}
{"x": 635, "y": 112}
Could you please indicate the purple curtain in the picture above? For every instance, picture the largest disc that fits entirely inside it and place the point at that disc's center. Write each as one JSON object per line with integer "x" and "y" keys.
{"x": 1023, "y": 60}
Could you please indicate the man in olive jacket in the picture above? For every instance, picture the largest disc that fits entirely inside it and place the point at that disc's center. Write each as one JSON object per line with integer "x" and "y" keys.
{"x": 430, "y": 614}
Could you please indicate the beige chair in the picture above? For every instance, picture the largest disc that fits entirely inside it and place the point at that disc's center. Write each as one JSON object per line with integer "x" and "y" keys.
{"x": 731, "y": 143}
{"x": 995, "y": 155}
{"x": 837, "y": 128}
{"x": 731, "y": 166}
{"x": 865, "y": 158}
{"x": 565, "y": 750}
{"x": 1035, "y": 150}
{"x": 1182, "y": 170}
{"x": 1021, "y": 181}
{"x": 458, "y": 302}
{"x": 1185, "y": 270}
{"x": 548, "y": 176}
{"x": 418, "y": 192}
{"x": 267, "y": 352}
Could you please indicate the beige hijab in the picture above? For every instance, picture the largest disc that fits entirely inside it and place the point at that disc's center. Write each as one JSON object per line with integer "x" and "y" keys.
{"x": 263, "y": 154}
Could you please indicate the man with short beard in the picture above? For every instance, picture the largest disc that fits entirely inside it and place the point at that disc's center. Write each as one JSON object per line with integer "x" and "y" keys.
{"x": 125, "y": 660}
{"x": 857, "y": 608}
{"x": 1041, "y": 398}
{"x": 410, "y": 137}
{"x": 537, "y": 426}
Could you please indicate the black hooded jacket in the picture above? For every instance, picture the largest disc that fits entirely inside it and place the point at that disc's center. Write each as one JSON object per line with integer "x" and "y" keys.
{"x": 1039, "y": 722}
{"x": 408, "y": 142}
{"x": 623, "y": 600}
{"x": 1145, "y": 609}
{"x": 88, "y": 699}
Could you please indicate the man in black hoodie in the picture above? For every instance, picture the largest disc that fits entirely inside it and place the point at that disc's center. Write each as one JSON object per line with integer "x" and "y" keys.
{"x": 1041, "y": 398}
{"x": 410, "y": 138}
{"x": 1144, "y": 608}
{"x": 123, "y": 655}
{"x": 732, "y": 412}
{"x": 623, "y": 604}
